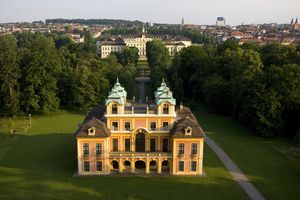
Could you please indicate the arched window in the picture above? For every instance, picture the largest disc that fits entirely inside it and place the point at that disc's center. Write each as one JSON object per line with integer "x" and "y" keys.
{"x": 165, "y": 109}
{"x": 114, "y": 109}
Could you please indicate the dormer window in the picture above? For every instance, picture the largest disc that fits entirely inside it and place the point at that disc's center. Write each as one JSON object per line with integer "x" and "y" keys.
{"x": 165, "y": 109}
{"x": 114, "y": 109}
{"x": 92, "y": 131}
{"x": 188, "y": 131}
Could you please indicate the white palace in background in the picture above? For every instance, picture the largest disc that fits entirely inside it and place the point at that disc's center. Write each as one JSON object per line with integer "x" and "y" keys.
{"x": 174, "y": 44}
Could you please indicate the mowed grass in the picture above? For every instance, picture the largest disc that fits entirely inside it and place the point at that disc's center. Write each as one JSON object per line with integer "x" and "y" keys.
{"x": 273, "y": 165}
{"x": 40, "y": 165}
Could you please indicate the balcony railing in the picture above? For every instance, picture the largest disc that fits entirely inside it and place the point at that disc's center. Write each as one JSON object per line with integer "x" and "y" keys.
{"x": 180, "y": 153}
{"x": 139, "y": 154}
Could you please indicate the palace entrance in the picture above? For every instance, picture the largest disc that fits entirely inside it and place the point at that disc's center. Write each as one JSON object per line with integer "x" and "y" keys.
{"x": 140, "y": 142}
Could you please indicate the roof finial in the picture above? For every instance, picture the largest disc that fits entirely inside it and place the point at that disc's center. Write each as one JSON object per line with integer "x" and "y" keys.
{"x": 117, "y": 79}
{"x": 163, "y": 80}
{"x": 181, "y": 106}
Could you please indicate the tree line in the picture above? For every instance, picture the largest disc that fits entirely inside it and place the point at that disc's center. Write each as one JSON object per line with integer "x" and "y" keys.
{"x": 258, "y": 86}
{"x": 111, "y": 22}
{"x": 47, "y": 72}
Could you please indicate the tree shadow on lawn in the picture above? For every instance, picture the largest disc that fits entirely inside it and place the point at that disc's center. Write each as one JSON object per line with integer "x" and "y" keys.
{"x": 27, "y": 184}
{"x": 41, "y": 167}
{"x": 54, "y": 152}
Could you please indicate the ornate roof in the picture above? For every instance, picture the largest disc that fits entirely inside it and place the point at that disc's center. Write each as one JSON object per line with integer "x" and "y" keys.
{"x": 117, "y": 94}
{"x": 101, "y": 130}
{"x": 179, "y": 129}
{"x": 163, "y": 94}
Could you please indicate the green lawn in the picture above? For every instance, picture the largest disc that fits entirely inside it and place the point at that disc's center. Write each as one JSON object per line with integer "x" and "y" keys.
{"x": 40, "y": 165}
{"x": 273, "y": 165}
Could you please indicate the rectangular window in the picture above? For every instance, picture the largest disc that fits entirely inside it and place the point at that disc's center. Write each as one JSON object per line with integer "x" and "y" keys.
{"x": 194, "y": 148}
{"x": 153, "y": 126}
{"x": 181, "y": 148}
{"x": 127, "y": 144}
{"x": 98, "y": 149}
{"x": 166, "y": 109}
{"x": 181, "y": 166}
{"x": 127, "y": 126}
{"x": 85, "y": 149}
{"x": 152, "y": 145}
{"x": 115, "y": 126}
{"x": 165, "y": 145}
{"x": 99, "y": 166}
{"x": 86, "y": 166}
{"x": 165, "y": 126}
{"x": 115, "y": 144}
{"x": 193, "y": 166}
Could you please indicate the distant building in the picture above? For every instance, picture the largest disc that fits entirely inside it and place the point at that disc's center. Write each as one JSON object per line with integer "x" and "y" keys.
{"x": 237, "y": 34}
{"x": 221, "y": 21}
{"x": 173, "y": 44}
{"x": 295, "y": 25}
{"x": 156, "y": 137}
{"x": 76, "y": 38}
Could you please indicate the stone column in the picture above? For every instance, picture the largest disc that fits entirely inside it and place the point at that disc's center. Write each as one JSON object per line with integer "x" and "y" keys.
{"x": 132, "y": 166}
{"x": 132, "y": 144}
{"x": 159, "y": 166}
{"x": 120, "y": 166}
{"x": 147, "y": 166}
{"x": 147, "y": 143}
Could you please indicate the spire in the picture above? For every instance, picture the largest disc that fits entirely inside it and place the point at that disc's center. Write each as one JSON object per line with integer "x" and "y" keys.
{"x": 292, "y": 22}
{"x": 182, "y": 21}
{"x": 296, "y": 22}
{"x": 117, "y": 79}
{"x": 163, "y": 80}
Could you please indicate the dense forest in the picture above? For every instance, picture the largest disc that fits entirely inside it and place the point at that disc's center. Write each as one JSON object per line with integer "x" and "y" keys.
{"x": 258, "y": 86}
{"x": 48, "y": 72}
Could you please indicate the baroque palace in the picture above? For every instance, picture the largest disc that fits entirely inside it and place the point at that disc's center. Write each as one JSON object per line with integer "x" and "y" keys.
{"x": 150, "y": 138}
{"x": 116, "y": 44}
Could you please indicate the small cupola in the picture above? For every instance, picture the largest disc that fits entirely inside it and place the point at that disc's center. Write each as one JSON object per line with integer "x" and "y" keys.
{"x": 188, "y": 131}
{"x": 117, "y": 94}
{"x": 92, "y": 131}
{"x": 163, "y": 94}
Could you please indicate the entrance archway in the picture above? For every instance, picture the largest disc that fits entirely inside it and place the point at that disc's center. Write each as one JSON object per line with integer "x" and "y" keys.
{"x": 153, "y": 167}
{"x": 127, "y": 166}
{"x": 165, "y": 167}
{"x": 140, "y": 167}
{"x": 114, "y": 166}
{"x": 140, "y": 142}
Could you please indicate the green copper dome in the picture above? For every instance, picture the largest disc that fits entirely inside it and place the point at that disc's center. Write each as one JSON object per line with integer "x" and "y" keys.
{"x": 163, "y": 94}
{"x": 117, "y": 94}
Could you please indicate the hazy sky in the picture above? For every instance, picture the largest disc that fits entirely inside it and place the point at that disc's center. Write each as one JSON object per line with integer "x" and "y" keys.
{"x": 164, "y": 11}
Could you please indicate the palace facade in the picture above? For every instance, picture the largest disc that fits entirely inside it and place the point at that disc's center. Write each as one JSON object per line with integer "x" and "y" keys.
{"x": 117, "y": 44}
{"x": 124, "y": 136}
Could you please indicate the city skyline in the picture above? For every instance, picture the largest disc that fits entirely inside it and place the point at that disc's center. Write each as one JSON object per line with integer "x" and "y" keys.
{"x": 194, "y": 12}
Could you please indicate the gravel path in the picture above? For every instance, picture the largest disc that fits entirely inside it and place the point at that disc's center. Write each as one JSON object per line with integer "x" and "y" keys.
{"x": 234, "y": 170}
